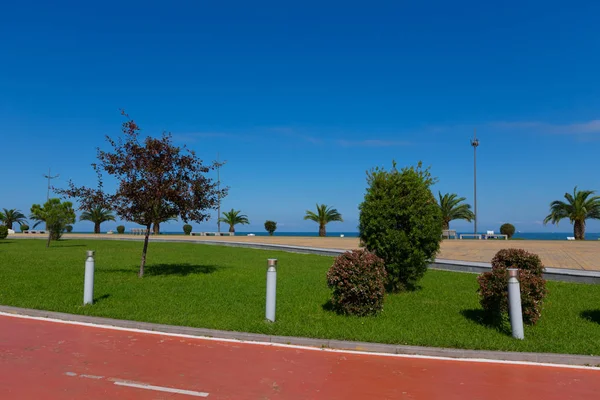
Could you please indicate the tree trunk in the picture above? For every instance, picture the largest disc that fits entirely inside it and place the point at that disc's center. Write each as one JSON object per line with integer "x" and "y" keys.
{"x": 97, "y": 227}
{"x": 156, "y": 228}
{"x": 446, "y": 225}
{"x": 232, "y": 228}
{"x": 579, "y": 230}
{"x": 49, "y": 238}
{"x": 143, "y": 263}
{"x": 322, "y": 231}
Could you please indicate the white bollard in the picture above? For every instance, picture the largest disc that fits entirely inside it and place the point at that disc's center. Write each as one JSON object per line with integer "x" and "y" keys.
{"x": 88, "y": 285}
{"x": 271, "y": 288}
{"x": 514, "y": 303}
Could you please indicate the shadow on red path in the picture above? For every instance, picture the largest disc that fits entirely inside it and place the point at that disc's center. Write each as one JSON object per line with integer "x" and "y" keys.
{"x": 49, "y": 360}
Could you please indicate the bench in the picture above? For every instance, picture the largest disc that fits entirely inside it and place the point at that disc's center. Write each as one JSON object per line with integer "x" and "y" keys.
{"x": 472, "y": 235}
{"x": 449, "y": 233}
{"x": 139, "y": 231}
{"x": 212, "y": 233}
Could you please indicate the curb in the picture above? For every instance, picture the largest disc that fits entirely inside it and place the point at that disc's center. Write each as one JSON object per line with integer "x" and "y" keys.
{"x": 375, "y": 348}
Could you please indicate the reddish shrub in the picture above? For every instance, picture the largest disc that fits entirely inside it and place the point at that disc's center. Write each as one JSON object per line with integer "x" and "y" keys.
{"x": 358, "y": 281}
{"x": 493, "y": 286}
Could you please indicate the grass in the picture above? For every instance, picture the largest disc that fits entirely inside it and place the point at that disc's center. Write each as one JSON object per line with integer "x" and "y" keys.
{"x": 224, "y": 288}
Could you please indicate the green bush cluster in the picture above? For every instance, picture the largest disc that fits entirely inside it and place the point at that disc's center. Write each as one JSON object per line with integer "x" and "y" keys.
{"x": 271, "y": 227}
{"x": 3, "y": 232}
{"x": 24, "y": 227}
{"x": 357, "y": 279}
{"x": 508, "y": 230}
{"x": 120, "y": 229}
{"x": 401, "y": 222}
{"x": 493, "y": 286}
{"x": 187, "y": 229}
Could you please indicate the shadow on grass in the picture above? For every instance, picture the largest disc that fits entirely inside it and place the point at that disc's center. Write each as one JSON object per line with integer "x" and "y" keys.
{"x": 100, "y": 298}
{"x": 328, "y": 306}
{"x": 478, "y": 316}
{"x": 591, "y": 315}
{"x": 69, "y": 245}
{"x": 179, "y": 269}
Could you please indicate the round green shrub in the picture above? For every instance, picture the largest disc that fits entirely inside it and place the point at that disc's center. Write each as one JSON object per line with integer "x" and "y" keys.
{"x": 69, "y": 228}
{"x": 3, "y": 231}
{"x": 358, "y": 281}
{"x": 493, "y": 286}
{"x": 120, "y": 229}
{"x": 401, "y": 223}
{"x": 508, "y": 230}
{"x": 187, "y": 229}
{"x": 271, "y": 227}
{"x": 24, "y": 227}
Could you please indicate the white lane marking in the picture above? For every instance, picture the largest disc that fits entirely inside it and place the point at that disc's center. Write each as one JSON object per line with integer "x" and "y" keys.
{"x": 141, "y": 385}
{"x": 91, "y": 376}
{"x": 293, "y": 346}
{"x": 161, "y": 388}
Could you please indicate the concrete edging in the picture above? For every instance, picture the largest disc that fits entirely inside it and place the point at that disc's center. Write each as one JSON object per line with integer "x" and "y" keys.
{"x": 545, "y": 358}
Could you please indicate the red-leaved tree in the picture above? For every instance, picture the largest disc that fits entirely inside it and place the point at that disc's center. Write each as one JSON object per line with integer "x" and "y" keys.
{"x": 157, "y": 181}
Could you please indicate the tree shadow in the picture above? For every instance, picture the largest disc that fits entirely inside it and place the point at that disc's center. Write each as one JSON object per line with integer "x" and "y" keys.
{"x": 179, "y": 269}
{"x": 69, "y": 245}
{"x": 479, "y": 316}
{"x": 591, "y": 315}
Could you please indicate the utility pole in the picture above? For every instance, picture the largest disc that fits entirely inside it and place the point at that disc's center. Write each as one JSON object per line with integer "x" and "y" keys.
{"x": 49, "y": 177}
{"x": 475, "y": 144}
{"x": 219, "y": 194}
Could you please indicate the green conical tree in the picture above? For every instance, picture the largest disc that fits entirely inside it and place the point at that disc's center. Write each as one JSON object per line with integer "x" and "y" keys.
{"x": 323, "y": 216}
{"x": 97, "y": 215}
{"x": 234, "y": 218}
{"x": 9, "y": 217}
{"x": 580, "y": 206}
{"x": 452, "y": 209}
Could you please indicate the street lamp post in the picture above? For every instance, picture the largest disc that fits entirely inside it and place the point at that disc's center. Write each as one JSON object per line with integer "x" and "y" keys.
{"x": 49, "y": 177}
{"x": 219, "y": 195}
{"x": 475, "y": 144}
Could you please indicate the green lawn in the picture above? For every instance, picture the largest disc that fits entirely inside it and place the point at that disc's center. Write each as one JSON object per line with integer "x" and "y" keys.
{"x": 224, "y": 288}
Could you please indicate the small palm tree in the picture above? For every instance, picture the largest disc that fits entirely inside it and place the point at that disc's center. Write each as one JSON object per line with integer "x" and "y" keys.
{"x": 9, "y": 217}
{"x": 323, "y": 216}
{"x": 97, "y": 215}
{"x": 233, "y": 218}
{"x": 580, "y": 206}
{"x": 452, "y": 209}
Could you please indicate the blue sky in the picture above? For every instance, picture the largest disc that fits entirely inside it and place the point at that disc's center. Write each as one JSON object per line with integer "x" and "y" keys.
{"x": 301, "y": 98}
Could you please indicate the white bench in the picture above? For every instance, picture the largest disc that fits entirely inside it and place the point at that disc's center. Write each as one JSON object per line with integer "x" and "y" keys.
{"x": 472, "y": 235}
{"x": 212, "y": 233}
{"x": 496, "y": 236}
{"x": 448, "y": 233}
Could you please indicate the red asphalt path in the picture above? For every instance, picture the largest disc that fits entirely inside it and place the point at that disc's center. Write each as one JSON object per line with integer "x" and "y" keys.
{"x": 46, "y": 360}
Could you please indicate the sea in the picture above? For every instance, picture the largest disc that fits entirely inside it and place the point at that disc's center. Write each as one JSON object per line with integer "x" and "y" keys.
{"x": 517, "y": 235}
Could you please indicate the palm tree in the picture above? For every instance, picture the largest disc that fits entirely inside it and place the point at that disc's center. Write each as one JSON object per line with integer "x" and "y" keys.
{"x": 97, "y": 214}
{"x": 579, "y": 207}
{"x": 323, "y": 216}
{"x": 156, "y": 226}
{"x": 452, "y": 209}
{"x": 233, "y": 218}
{"x": 9, "y": 217}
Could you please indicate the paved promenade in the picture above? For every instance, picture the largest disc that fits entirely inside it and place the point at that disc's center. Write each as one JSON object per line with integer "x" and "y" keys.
{"x": 49, "y": 360}
{"x": 582, "y": 255}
